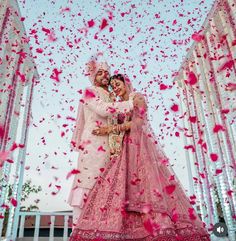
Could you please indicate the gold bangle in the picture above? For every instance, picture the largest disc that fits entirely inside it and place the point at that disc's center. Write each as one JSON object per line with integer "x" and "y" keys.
{"x": 114, "y": 129}
{"x": 117, "y": 129}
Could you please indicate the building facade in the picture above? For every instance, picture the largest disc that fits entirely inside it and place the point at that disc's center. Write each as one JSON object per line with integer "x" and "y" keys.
{"x": 207, "y": 90}
{"x": 17, "y": 77}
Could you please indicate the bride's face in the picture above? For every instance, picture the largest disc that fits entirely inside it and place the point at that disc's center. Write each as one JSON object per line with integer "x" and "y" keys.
{"x": 118, "y": 87}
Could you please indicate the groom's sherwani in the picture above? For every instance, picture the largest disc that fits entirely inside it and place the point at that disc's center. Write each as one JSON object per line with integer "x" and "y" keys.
{"x": 93, "y": 150}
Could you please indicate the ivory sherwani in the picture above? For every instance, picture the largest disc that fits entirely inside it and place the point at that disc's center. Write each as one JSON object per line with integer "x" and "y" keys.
{"x": 93, "y": 150}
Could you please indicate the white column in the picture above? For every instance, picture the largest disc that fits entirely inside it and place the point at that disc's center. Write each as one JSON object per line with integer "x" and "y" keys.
{"x": 65, "y": 232}
{"x": 37, "y": 227}
{"x": 51, "y": 233}
{"x": 188, "y": 159}
{"x": 200, "y": 195}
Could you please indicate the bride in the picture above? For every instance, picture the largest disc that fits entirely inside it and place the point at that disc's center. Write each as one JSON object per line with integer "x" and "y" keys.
{"x": 138, "y": 196}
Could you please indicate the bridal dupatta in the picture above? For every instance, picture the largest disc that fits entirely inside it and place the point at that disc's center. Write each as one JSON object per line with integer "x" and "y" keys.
{"x": 138, "y": 197}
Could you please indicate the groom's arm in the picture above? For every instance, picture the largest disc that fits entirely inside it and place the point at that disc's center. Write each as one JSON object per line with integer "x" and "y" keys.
{"x": 93, "y": 101}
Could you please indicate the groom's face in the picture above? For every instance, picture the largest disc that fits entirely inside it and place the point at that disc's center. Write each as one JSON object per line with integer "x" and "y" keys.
{"x": 102, "y": 77}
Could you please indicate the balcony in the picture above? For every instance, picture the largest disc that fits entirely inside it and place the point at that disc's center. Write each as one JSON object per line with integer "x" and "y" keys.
{"x": 39, "y": 226}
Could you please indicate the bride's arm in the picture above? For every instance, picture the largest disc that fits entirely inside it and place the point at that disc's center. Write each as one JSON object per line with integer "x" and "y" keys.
{"x": 140, "y": 108}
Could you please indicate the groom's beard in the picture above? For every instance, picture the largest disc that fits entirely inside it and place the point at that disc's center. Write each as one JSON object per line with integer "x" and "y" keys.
{"x": 105, "y": 82}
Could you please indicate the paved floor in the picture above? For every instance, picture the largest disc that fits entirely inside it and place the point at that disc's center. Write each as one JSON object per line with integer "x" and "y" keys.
{"x": 213, "y": 238}
{"x": 40, "y": 239}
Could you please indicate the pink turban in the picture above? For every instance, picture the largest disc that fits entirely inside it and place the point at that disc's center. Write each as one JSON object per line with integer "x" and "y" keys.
{"x": 93, "y": 66}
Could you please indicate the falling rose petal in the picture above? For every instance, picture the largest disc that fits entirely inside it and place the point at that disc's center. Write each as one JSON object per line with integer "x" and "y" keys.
{"x": 163, "y": 87}
{"x": 15, "y": 146}
{"x": 190, "y": 147}
{"x": 91, "y": 23}
{"x": 227, "y": 65}
{"x": 100, "y": 148}
{"x": 175, "y": 107}
{"x": 142, "y": 111}
{"x": 39, "y": 50}
{"x": 73, "y": 172}
{"x": 55, "y": 75}
{"x": 21, "y": 77}
{"x": 191, "y": 214}
{"x": 193, "y": 199}
{"x": 192, "y": 202}
{"x": 197, "y": 37}
{"x": 170, "y": 189}
{"x": 177, "y": 134}
{"x": 66, "y": 9}
{"x": 104, "y": 24}
{"x": 218, "y": 128}
{"x": 171, "y": 178}
{"x": 10, "y": 161}
{"x": 13, "y": 202}
{"x": 52, "y": 36}
{"x": 193, "y": 119}
{"x": 102, "y": 169}
{"x": 218, "y": 171}
{"x": 89, "y": 94}
{"x": 112, "y": 110}
{"x": 202, "y": 175}
{"x": 214, "y": 157}
{"x": 46, "y": 30}
{"x": 225, "y": 111}
{"x": 231, "y": 86}
{"x": 165, "y": 161}
{"x": 2, "y": 131}
{"x": 174, "y": 22}
{"x": 57, "y": 191}
{"x": 230, "y": 192}
{"x": 195, "y": 179}
{"x": 192, "y": 78}
{"x": 175, "y": 216}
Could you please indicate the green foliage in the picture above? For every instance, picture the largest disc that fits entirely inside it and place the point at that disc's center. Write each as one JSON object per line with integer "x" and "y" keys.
{"x": 27, "y": 189}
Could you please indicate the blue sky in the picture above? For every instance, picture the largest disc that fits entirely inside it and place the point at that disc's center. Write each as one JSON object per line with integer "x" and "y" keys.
{"x": 145, "y": 39}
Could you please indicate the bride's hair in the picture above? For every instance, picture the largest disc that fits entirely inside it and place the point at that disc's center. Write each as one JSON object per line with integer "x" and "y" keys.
{"x": 118, "y": 76}
{"x": 124, "y": 78}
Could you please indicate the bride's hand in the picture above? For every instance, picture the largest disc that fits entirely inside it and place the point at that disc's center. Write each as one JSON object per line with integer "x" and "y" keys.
{"x": 101, "y": 131}
{"x": 132, "y": 96}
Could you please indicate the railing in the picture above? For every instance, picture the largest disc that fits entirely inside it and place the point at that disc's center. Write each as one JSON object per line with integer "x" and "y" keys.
{"x": 21, "y": 226}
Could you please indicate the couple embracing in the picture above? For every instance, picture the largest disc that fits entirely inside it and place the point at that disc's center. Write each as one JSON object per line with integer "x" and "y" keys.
{"x": 124, "y": 188}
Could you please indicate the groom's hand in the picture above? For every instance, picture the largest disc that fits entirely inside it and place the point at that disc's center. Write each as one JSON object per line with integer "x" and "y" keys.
{"x": 101, "y": 131}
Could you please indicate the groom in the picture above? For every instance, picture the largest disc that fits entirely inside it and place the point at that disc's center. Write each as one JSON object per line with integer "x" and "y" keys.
{"x": 93, "y": 112}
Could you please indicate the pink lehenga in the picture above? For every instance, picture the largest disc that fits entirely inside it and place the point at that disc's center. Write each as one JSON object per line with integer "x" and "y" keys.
{"x": 138, "y": 197}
